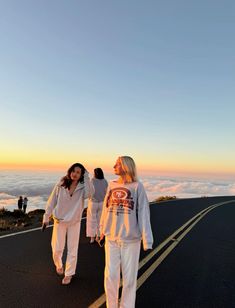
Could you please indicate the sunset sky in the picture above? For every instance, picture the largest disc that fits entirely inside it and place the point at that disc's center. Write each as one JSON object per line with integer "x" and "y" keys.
{"x": 88, "y": 81}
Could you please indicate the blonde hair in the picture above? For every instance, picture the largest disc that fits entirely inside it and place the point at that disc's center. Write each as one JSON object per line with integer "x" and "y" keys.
{"x": 129, "y": 167}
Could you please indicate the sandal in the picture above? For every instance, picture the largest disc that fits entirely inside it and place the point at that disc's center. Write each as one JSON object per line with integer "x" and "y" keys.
{"x": 66, "y": 280}
{"x": 60, "y": 271}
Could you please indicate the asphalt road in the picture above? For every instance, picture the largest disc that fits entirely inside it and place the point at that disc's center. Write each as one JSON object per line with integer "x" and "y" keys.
{"x": 198, "y": 272}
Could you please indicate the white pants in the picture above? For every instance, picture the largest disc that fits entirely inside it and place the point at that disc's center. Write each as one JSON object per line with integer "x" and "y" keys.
{"x": 60, "y": 230}
{"x": 94, "y": 211}
{"x": 124, "y": 257}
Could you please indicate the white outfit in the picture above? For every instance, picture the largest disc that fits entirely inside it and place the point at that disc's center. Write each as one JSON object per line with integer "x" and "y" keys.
{"x": 67, "y": 213}
{"x": 58, "y": 243}
{"x": 124, "y": 256}
{"x": 95, "y": 206}
{"x": 94, "y": 211}
{"x": 125, "y": 221}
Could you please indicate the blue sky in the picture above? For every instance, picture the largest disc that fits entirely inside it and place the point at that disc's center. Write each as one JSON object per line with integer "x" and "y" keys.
{"x": 96, "y": 79}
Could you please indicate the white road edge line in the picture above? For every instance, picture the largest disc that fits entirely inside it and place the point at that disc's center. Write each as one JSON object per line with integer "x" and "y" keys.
{"x": 27, "y": 231}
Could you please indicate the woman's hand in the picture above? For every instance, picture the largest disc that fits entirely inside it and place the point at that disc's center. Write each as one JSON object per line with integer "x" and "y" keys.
{"x": 101, "y": 240}
{"x": 44, "y": 225}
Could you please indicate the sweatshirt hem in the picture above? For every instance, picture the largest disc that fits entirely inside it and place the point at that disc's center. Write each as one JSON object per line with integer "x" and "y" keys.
{"x": 115, "y": 239}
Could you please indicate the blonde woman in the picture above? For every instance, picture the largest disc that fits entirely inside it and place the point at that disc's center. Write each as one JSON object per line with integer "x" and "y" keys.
{"x": 95, "y": 205}
{"x": 125, "y": 221}
{"x": 65, "y": 205}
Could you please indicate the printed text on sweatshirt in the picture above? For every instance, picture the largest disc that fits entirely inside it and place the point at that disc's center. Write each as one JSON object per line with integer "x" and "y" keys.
{"x": 126, "y": 215}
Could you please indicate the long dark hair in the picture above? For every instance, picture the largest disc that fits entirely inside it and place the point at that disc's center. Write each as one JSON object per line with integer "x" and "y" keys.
{"x": 98, "y": 172}
{"x": 66, "y": 181}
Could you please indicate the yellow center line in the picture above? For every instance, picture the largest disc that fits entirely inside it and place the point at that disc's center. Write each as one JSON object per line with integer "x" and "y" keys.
{"x": 151, "y": 269}
{"x": 102, "y": 299}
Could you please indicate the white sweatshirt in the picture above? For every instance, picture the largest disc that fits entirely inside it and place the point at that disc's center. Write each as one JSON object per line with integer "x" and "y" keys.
{"x": 66, "y": 208}
{"x": 100, "y": 186}
{"x": 126, "y": 215}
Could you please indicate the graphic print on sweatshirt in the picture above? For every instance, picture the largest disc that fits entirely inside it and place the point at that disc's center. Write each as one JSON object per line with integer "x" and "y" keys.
{"x": 120, "y": 201}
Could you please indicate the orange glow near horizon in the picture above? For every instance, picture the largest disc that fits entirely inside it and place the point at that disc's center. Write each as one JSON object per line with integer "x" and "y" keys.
{"x": 44, "y": 160}
{"x": 143, "y": 169}
{"x": 62, "y": 159}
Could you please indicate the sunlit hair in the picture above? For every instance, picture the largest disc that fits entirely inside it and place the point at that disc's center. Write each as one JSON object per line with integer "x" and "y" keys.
{"x": 128, "y": 166}
{"x": 66, "y": 181}
{"x": 98, "y": 173}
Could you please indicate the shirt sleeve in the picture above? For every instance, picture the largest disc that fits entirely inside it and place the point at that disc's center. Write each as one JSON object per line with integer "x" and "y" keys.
{"x": 106, "y": 184}
{"x": 104, "y": 212}
{"x": 144, "y": 217}
{"x": 51, "y": 203}
{"x": 88, "y": 186}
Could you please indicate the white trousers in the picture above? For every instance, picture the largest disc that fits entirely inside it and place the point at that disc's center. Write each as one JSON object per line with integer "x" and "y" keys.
{"x": 124, "y": 257}
{"x": 94, "y": 211}
{"x": 60, "y": 230}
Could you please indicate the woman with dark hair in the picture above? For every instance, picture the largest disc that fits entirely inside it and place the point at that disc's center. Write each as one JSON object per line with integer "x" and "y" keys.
{"x": 65, "y": 205}
{"x": 95, "y": 205}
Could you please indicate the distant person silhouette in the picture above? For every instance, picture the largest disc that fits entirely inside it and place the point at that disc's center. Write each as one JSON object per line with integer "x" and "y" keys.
{"x": 20, "y": 203}
{"x": 25, "y": 202}
{"x": 95, "y": 205}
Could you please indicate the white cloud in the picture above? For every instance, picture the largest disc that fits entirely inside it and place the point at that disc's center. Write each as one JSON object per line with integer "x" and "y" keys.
{"x": 186, "y": 188}
{"x": 38, "y": 186}
{"x": 4, "y": 196}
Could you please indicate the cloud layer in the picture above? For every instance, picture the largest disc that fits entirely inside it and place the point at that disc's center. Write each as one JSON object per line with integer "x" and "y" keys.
{"x": 186, "y": 188}
{"x": 38, "y": 186}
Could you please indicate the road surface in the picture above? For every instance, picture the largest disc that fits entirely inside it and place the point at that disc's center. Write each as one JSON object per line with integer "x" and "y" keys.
{"x": 192, "y": 263}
